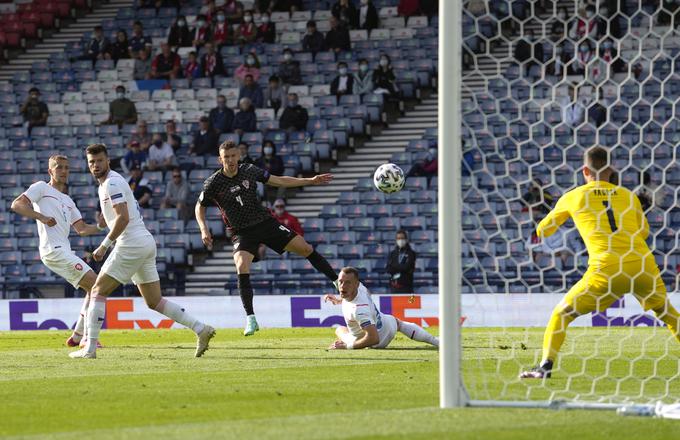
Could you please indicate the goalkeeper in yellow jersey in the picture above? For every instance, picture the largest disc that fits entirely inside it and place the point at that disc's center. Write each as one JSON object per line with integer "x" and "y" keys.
{"x": 614, "y": 229}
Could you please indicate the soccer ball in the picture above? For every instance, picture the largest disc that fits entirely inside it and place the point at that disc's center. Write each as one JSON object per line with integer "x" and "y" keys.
{"x": 389, "y": 178}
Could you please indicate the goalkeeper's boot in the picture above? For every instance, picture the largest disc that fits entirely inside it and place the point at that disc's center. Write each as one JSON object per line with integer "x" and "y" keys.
{"x": 251, "y": 326}
{"x": 543, "y": 371}
{"x": 204, "y": 338}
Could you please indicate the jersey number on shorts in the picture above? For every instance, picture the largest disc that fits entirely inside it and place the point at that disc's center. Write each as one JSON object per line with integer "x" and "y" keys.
{"x": 240, "y": 200}
{"x": 610, "y": 216}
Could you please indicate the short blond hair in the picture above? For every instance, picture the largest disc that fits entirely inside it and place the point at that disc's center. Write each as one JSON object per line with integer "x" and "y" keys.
{"x": 52, "y": 161}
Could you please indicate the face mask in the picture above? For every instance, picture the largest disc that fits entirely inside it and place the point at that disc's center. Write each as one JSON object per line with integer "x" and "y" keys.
{"x": 342, "y": 71}
{"x": 401, "y": 242}
{"x": 201, "y": 23}
{"x": 250, "y": 60}
{"x": 158, "y": 143}
{"x": 120, "y": 95}
{"x": 607, "y": 45}
{"x": 310, "y": 31}
{"x": 278, "y": 211}
{"x": 220, "y": 18}
{"x": 562, "y": 15}
{"x": 363, "y": 67}
{"x": 292, "y": 103}
{"x": 589, "y": 14}
{"x": 247, "y": 18}
{"x": 268, "y": 151}
{"x": 265, "y": 19}
{"x": 34, "y": 97}
{"x": 288, "y": 57}
{"x": 181, "y": 23}
{"x": 383, "y": 62}
{"x": 584, "y": 49}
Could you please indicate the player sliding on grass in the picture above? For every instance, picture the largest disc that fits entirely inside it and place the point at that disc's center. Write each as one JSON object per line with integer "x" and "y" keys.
{"x": 133, "y": 257}
{"x": 366, "y": 326}
{"x": 614, "y": 229}
{"x": 233, "y": 189}
{"x": 55, "y": 213}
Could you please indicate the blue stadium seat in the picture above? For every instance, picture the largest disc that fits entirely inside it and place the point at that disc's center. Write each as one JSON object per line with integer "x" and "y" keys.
{"x": 362, "y": 224}
{"x": 369, "y": 237}
{"x": 313, "y": 225}
{"x": 413, "y": 223}
{"x": 326, "y": 250}
{"x": 337, "y": 224}
{"x": 405, "y": 210}
{"x": 387, "y": 224}
{"x": 348, "y": 198}
{"x": 371, "y": 198}
{"x": 351, "y": 251}
{"x": 315, "y": 238}
{"x": 353, "y": 211}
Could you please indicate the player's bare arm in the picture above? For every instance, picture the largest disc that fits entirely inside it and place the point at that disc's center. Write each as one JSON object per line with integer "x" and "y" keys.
{"x": 23, "y": 206}
{"x": 332, "y": 299}
{"x": 294, "y": 182}
{"x": 369, "y": 339}
{"x": 206, "y": 236}
{"x": 119, "y": 225}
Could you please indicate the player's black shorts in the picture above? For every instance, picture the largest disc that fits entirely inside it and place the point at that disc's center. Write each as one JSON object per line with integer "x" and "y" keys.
{"x": 270, "y": 232}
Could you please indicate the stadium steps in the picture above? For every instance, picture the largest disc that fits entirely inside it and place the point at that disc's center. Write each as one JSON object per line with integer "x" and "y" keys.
{"x": 209, "y": 277}
{"x": 56, "y": 43}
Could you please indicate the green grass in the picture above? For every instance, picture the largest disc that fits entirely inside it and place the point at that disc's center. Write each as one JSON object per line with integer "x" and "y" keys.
{"x": 283, "y": 384}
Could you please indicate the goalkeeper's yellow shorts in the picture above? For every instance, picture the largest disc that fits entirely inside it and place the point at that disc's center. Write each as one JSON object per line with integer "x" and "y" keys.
{"x": 601, "y": 287}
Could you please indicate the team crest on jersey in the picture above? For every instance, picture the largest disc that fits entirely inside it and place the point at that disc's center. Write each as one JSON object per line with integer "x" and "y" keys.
{"x": 246, "y": 184}
{"x": 79, "y": 266}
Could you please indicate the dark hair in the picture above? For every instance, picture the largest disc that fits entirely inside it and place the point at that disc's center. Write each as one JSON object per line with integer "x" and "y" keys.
{"x": 350, "y": 270}
{"x": 137, "y": 23}
{"x": 227, "y": 145}
{"x": 120, "y": 87}
{"x": 288, "y": 49}
{"x": 311, "y": 23}
{"x": 274, "y": 78}
{"x": 363, "y": 60}
{"x": 34, "y": 89}
{"x": 597, "y": 159}
{"x": 94, "y": 149}
{"x": 98, "y": 28}
{"x": 401, "y": 231}
{"x": 268, "y": 142}
{"x": 251, "y": 76}
{"x": 342, "y": 63}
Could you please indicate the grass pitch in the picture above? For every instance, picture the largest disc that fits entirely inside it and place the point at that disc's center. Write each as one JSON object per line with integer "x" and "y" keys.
{"x": 284, "y": 384}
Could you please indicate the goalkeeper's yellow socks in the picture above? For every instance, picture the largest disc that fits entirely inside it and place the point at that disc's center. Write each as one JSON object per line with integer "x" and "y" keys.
{"x": 554, "y": 335}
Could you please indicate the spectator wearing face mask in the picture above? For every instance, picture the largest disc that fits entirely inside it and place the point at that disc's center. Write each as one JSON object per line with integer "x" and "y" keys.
{"x": 201, "y": 34}
{"x": 266, "y": 31}
{"x": 346, "y": 13}
{"x": 233, "y": 10}
{"x": 289, "y": 69}
{"x": 556, "y": 66}
{"x": 192, "y": 69}
{"x": 120, "y": 49}
{"x": 401, "y": 264}
{"x": 585, "y": 25}
{"x": 221, "y": 117}
{"x": 584, "y": 56}
{"x": 252, "y": 91}
{"x": 273, "y": 163}
{"x": 368, "y": 16}
{"x": 274, "y": 94}
{"x": 294, "y": 116}
{"x": 313, "y": 41}
{"x": 609, "y": 55}
{"x": 176, "y": 193}
{"x": 220, "y": 30}
{"x": 573, "y": 109}
{"x": 384, "y": 80}
{"x": 245, "y": 156}
{"x": 337, "y": 38}
{"x": 363, "y": 79}
{"x": 247, "y": 31}
{"x": 34, "y": 111}
{"x": 180, "y": 34}
{"x": 211, "y": 62}
{"x": 161, "y": 155}
{"x": 250, "y": 66}
{"x": 245, "y": 120}
{"x": 343, "y": 84}
{"x": 121, "y": 110}
{"x": 559, "y": 26}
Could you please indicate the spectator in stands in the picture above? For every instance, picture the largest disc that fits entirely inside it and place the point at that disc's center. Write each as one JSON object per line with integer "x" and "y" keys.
{"x": 142, "y": 64}
{"x": 401, "y": 264}
{"x": 313, "y": 41}
{"x": 573, "y": 109}
{"x": 134, "y": 157}
{"x": 269, "y": 160}
{"x": 252, "y": 91}
{"x": 201, "y": 34}
{"x": 120, "y": 49}
{"x": 205, "y": 141}
{"x": 368, "y": 16}
{"x": 171, "y": 136}
{"x": 210, "y": 10}
{"x": 245, "y": 120}
{"x": 245, "y": 156}
{"x": 166, "y": 65}
{"x": 142, "y": 135}
{"x": 583, "y": 58}
{"x": 427, "y": 168}
{"x": 192, "y": 69}
{"x": 220, "y": 30}
{"x": 177, "y": 193}
{"x": 250, "y": 66}
{"x": 549, "y": 247}
{"x": 294, "y": 116}
{"x": 363, "y": 79}
{"x": 180, "y": 34}
{"x": 161, "y": 155}
{"x": 34, "y": 111}
{"x": 646, "y": 192}
{"x": 384, "y": 80}
{"x": 141, "y": 189}
{"x": 247, "y": 31}
{"x": 233, "y": 11}
{"x": 407, "y": 8}
{"x": 346, "y": 13}
{"x": 609, "y": 55}
{"x": 279, "y": 5}
{"x": 274, "y": 94}
{"x": 97, "y": 48}
{"x": 266, "y": 32}
{"x": 538, "y": 200}
{"x": 585, "y": 25}
{"x": 211, "y": 62}
{"x": 138, "y": 41}
{"x": 286, "y": 219}
{"x": 289, "y": 69}
{"x": 337, "y": 38}
{"x": 557, "y": 66}
{"x": 343, "y": 84}
{"x": 559, "y": 26}
{"x": 121, "y": 110}
{"x": 597, "y": 113}
{"x": 221, "y": 117}
{"x": 528, "y": 51}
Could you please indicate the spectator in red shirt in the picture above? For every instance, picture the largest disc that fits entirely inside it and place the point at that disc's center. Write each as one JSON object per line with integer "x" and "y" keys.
{"x": 166, "y": 65}
{"x": 201, "y": 32}
{"x": 286, "y": 218}
{"x": 192, "y": 69}
{"x": 408, "y": 8}
{"x": 211, "y": 62}
{"x": 266, "y": 32}
{"x": 221, "y": 30}
{"x": 427, "y": 168}
{"x": 247, "y": 31}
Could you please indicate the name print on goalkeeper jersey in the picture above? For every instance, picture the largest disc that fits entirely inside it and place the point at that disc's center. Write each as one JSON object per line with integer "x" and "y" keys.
{"x": 236, "y": 196}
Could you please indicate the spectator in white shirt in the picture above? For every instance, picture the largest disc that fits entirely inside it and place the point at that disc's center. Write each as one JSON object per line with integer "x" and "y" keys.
{"x": 161, "y": 154}
{"x": 573, "y": 108}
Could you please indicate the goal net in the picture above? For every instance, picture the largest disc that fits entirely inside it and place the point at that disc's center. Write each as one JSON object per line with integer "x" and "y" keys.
{"x": 542, "y": 83}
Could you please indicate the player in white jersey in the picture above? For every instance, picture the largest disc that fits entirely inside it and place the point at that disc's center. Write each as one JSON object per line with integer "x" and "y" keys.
{"x": 133, "y": 258}
{"x": 55, "y": 213}
{"x": 366, "y": 326}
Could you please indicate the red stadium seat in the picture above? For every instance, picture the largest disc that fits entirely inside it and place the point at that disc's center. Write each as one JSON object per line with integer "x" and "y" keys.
{"x": 30, "y": 17}
{"x": 47, "y": 20}
{"x": 30, "y": 30}
{"x": 10, "y": 39}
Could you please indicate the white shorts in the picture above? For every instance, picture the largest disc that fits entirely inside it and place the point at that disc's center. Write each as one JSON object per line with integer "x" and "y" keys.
{"x": 386, "y": 332}
{"x": 133, "y": 263}
{"x": 67, "y": 265}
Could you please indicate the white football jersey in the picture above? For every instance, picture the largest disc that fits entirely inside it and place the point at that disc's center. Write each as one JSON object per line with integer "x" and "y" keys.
{"x": 51, "y": 202}
{"x": 361, "y": 312}
{"x": 115, "y": 190}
